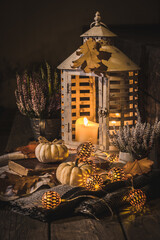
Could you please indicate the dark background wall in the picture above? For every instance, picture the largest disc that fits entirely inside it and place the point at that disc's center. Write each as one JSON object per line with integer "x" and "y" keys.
{"x": 31, "y": 31}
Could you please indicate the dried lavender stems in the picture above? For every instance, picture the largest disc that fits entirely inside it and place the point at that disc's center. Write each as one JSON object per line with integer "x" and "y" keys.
{"x": 37, "y": 95}
{"x": 137, "y": 140}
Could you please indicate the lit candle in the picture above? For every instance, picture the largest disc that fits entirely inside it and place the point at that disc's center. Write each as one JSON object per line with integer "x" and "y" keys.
{"x": 86, "y": 130}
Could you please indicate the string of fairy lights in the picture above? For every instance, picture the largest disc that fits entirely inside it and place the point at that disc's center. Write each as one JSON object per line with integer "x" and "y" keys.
{"x": 94, "y": 182}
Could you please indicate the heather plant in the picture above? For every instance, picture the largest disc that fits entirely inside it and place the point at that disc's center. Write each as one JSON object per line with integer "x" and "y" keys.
{"x": 138, "y": 140}
{"x": 37, "y": 93}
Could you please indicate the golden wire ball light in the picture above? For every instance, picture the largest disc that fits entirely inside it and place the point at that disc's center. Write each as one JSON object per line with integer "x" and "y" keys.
{"x": 51, "y": 200}
{"x": 85, "y": 149}
{"x": 93, "y": 182}
{"x": 137, "y": 198}
{"x": 112, "y": 158}
{"x": 116, "y": 174}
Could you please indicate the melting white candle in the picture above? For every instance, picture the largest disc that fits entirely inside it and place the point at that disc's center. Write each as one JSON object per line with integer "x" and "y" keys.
{"x": 86, "y": 130}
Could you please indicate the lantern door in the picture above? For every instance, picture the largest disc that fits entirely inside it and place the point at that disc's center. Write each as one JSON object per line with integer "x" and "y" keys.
{"x": 83, "y": 101}
{"x": 79, "y": 102}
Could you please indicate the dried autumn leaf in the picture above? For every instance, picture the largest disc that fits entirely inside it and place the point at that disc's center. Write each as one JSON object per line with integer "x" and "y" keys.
{"x": 138, "y": 167}
{"x": 89, "y": 59}
{"x": 22, "y": 184}
{"x": 92, "y": 54}
{"x": 29, "y": 149}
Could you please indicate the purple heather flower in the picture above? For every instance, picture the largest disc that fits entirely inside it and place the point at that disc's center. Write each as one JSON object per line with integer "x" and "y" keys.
{"x": 33, "y": 98}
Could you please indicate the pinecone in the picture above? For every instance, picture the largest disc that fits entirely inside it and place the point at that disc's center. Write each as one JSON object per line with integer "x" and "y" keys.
{"x": 51, "y": 200}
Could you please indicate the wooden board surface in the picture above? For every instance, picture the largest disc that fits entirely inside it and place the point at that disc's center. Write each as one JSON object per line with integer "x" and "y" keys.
{"x": 80, "y": 228}
{"x": 17, "y": 227}
{"x": 143, "y": 227}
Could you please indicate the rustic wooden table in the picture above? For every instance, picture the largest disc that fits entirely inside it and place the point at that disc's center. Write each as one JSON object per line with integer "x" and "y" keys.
{"x": 17, "y": 227}
{"x": 14, "y": 226}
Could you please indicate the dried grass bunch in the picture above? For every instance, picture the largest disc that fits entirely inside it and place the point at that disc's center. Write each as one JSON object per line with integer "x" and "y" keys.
{"x": 37, "y": 93}
{"x": 138, "y": 140}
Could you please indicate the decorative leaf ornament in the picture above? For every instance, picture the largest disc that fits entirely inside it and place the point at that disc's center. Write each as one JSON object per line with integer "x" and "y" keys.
{"x": 91, "y": 57}
{"x": 138, "y": 167}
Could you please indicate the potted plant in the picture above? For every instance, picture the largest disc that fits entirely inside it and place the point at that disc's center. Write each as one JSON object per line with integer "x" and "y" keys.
{"x": 38, "y": 97}
{"x": 136, "y": 142}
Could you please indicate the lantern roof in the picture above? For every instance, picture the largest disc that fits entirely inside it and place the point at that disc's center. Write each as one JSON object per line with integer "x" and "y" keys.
{"x": 98, "y": 29}
{"x": 117, "y": 62}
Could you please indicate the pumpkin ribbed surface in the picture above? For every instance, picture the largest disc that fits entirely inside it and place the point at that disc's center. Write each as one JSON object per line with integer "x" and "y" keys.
{"x": 46, "y": 152}
{"x": 69, "y": 173}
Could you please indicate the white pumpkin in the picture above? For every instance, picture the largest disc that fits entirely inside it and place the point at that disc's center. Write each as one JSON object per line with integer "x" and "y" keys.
{"x": 54, "y": 151}
{"x": 71, "y": 173}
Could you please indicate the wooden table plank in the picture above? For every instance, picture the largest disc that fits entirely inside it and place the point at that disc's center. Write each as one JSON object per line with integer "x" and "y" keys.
{"x": 144, "y": 227}
{"x": 81, "y": 228}
{"x": 14, "y": 226}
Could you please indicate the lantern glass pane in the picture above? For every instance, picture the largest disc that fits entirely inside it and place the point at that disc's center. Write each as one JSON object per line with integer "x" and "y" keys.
{"x": 128, "y": 122}
{"x": 115, "y": 123}
{"x": 84, "y": 108}
{"x": 114, "y": 115}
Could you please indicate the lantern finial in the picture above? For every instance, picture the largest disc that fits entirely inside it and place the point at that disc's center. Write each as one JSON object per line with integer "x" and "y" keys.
{"x": 97, "y": 20}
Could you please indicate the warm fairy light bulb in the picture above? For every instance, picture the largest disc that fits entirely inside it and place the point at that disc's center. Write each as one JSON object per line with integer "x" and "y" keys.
{"x": 116, "y": 174}
{"x": 85, "y": 121}
{"x": 112, "y": 158}
{"x": 51, "y": 200}
{"x": 92, "y": 182}
{"x": 84, "y": 151}
{"x": 137, "y": 198}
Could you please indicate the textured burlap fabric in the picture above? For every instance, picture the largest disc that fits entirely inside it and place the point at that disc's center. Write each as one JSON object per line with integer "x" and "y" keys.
{"x": 104, "y": 201}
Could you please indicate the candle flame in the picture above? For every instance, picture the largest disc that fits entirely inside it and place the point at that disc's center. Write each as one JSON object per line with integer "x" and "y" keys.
{"x": 85, "y": 121}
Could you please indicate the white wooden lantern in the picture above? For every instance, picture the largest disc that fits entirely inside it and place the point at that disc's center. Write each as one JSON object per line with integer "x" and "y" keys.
{"x": 104, "y": 100}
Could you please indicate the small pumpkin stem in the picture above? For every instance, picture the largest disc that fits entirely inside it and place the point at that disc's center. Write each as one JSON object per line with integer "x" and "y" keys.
{"x": 44, "y": 140}
{"x": 76, "y": 162}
